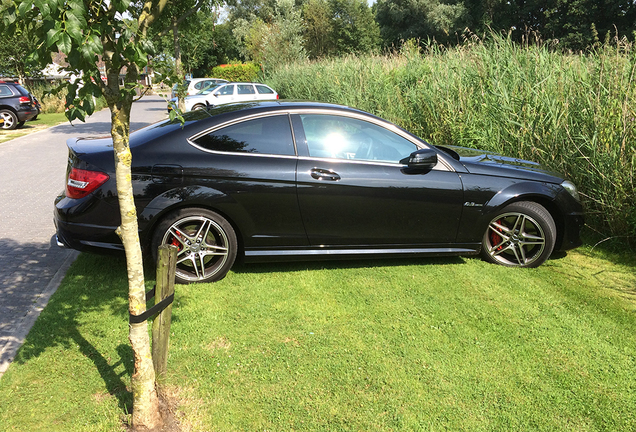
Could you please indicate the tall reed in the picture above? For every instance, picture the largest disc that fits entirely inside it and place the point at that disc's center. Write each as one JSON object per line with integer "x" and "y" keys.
{"x": 575, "y": 113}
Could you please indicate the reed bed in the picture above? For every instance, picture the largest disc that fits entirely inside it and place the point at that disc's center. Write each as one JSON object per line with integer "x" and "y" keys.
{"x": 575, "y": 113}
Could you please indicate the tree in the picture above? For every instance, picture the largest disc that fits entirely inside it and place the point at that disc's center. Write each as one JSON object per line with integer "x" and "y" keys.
{"x": 274, "y": 43}
{"x": 115, "y": 31}
{"x": 421, "y": 19}
{"x": 176, "y": 15}
{"x": 354, "y": 29}
{"x": 13, "y": 62}
{"x": 318, "y": 28}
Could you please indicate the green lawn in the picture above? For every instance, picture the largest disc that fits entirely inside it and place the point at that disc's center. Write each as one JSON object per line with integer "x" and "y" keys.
{"x": 428, "y": 344}
{"x": 44, "y": 121}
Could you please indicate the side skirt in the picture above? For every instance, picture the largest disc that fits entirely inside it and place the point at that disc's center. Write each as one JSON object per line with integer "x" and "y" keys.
{"x": 334, "y": 254}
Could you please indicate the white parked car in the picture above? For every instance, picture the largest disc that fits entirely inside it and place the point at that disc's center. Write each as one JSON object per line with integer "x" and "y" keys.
{"x": 195, "y": 85}
{"x": 228, "y": 93}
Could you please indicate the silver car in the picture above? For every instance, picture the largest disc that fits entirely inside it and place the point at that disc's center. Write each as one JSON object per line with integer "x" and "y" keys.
{"x": 228, "y": 93}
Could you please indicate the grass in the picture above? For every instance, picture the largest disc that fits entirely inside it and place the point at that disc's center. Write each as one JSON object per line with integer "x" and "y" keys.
{"x": 43, "y": 121}
{"x": 429, "y": 344}
{"x": 575, "y": 113}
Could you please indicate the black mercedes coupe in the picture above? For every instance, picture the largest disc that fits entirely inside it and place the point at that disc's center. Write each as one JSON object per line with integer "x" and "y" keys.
{"x": 306, "y": 181}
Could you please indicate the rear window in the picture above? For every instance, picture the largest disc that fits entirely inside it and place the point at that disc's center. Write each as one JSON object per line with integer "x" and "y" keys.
{"x": 264, "y": 89}
{"x": 268, "y": 135}
{"x": 21, "y": 89}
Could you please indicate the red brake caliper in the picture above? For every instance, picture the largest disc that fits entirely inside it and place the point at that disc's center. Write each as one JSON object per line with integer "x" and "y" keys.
{"x": 495, "y": 238}
{"x": 176, "y": 242}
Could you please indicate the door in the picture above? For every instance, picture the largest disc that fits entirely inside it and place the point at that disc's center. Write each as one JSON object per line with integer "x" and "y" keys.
{"x": 352, "y": 189}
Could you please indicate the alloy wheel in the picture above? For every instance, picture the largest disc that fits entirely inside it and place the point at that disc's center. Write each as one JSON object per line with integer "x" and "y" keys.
{"x": 514, "y": 239}
{"x": 203, "y": 247}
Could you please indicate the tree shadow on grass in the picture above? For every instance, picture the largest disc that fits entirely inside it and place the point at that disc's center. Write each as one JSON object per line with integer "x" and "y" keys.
{"x": 95, "y": 287}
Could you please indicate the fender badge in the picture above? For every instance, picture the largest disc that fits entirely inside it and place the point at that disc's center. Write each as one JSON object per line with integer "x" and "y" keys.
{"x": 472, "y": 204}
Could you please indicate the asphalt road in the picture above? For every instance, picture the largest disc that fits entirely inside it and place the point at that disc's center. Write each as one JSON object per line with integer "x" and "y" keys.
{"x": 32, "y": 173}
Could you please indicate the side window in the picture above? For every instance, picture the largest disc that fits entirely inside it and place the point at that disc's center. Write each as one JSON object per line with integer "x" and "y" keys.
{"x": 227, "y": 90}
{"x": 269, "y": 135}
{"x": 264, "y": 89}
{"x": 198, "y": 85}
{"x": 5, "y": 90}
{"x": 339, "y": 137}
{"x": 245, "y": 89}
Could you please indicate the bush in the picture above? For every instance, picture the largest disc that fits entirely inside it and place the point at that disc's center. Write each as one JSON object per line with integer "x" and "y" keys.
{"x": 573, "y": 113}
{"x": 54, "y": 103}
{"x": 246, "y": 72}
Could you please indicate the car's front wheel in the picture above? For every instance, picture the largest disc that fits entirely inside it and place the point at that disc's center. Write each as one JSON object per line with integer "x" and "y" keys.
{"x": 521, "y": 235}
{"x": 206, "y": 243}
{"x": 198, "y": 107}
{"x": 10, "y": 119}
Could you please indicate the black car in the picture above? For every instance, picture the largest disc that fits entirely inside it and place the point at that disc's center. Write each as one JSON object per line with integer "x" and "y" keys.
{"x": 17, "y": 105}
{"x": 302, "y": 180}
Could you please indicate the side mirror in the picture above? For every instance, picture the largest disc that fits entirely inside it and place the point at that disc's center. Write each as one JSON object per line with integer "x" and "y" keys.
{"x": 424, "y": 159}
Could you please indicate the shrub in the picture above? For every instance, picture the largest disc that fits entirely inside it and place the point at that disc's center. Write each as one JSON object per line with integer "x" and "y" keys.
{"x": 246, "y": 72}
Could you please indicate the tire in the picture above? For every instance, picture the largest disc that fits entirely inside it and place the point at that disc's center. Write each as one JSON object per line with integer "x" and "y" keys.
{"x": 198, "y": 107}
{"x": 206, "y": 241}
{"x": 10, "y": 119}
{"x": 521, "y": 235}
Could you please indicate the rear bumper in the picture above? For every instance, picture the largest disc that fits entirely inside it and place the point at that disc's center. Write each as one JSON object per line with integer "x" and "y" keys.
{"x": 27, "y": 114}
{"x": 84, "y": 237}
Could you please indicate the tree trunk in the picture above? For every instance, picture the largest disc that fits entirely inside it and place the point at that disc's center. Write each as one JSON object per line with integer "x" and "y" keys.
{"x": 145, "y": 402}
{"x": 177, "y": 62}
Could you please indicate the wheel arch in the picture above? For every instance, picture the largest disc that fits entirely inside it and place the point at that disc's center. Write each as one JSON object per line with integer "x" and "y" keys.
{"x": 168, "y": 202}
{"x": 543, "y": 194}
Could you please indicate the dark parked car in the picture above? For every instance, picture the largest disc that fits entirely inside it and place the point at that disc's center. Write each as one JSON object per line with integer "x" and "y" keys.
{"x": 17, "y": 105}
{"x": 302, "y": 180}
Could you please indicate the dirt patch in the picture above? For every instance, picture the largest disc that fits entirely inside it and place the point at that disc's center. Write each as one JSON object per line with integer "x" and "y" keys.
{"x": 219, "y": 343}
{"x": 173, "y": 420}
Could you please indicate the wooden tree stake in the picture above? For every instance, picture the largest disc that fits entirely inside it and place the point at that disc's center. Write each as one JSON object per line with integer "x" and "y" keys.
{"x": 166, "y": 265}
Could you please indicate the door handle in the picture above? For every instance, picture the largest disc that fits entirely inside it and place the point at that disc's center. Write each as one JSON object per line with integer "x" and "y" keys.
{"x": 322, "y": 174}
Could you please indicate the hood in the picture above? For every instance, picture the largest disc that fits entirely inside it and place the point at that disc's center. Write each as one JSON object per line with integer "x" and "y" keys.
{"x": 488, "y": 163}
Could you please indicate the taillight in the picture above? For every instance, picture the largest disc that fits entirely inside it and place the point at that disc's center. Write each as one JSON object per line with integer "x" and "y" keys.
{"x": 277, "y": 96}
{"x": 82, "y": 182}
{"x": 25, "y": 99}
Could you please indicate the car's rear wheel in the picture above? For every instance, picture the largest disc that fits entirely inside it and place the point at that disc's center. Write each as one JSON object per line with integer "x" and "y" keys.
{"x": 521, "y": 235}
{"x": 206, "y": 241}
{"x": 198, "y": 107}
{"x": 10, "y": 119}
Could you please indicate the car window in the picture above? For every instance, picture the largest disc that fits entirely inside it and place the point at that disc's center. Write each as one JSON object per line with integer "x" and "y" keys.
{"x": 270, "y": 135}
{"x": 199, "y": 85}
{"x": 21, "y": 90}
{"x": 264, "y": 89}
{"x": 245, "y": 89}
{"x": 5, "y": 90}
{"x": 226, "y": 90}
{"x": 348, "y": 138}
{"x": 208, "y": 90}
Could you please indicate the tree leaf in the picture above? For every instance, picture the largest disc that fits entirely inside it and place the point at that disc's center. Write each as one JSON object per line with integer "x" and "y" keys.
{"x": 73, "y": 27}
{"x": 23, "y": 7}
{"x": 52, "y": 36}
{"x": 9, "y": 16}
{"x": 64, "y": 43}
